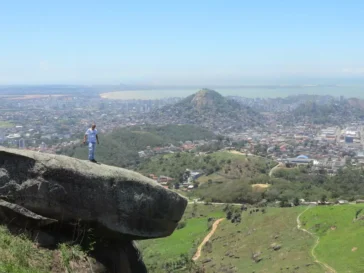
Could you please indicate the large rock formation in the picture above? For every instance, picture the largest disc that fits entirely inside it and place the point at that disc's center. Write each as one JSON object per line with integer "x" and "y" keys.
{"x": 118, "y": 204}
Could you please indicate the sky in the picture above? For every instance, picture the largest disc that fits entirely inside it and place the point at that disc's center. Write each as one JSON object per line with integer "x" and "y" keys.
{"x": 181, "y": 42}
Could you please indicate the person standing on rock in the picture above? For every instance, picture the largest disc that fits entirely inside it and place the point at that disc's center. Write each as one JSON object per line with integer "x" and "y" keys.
{"x": 92, "y": 137}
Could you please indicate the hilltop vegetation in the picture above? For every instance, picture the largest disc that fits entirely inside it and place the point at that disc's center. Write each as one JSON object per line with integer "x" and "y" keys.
{"x": 340, "y": 229}
{"x": 227, "y": 176}
{"x": 232, "y": 183}
{"x": 120, "y": 147}
{"x": 288, "y": 184}
{"x": 209, "y": 109}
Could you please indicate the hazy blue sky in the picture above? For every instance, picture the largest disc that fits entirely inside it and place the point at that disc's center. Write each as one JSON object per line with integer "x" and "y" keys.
{"x": 181, "y": 42}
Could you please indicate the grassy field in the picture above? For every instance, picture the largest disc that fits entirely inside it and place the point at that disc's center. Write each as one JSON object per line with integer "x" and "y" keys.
{"x": 5, "y": 124}
{"x": 341, "y": 236}
{"x": 20, "y": 255}
{"x": 183, "y": 241}
{"x": 234, "y": 245}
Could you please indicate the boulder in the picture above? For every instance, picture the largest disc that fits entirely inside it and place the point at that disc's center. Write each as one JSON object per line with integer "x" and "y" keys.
{"x": 116, "y": 203}
{"x": 275, "y": 246}
{"x": 18, "y": 215}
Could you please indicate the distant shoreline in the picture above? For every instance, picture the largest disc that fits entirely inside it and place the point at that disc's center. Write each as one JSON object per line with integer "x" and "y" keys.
{"x": 252, "y": 92}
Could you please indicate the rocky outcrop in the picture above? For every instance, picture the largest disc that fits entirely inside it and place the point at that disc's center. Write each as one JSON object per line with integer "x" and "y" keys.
{"x": 118, "y": 204}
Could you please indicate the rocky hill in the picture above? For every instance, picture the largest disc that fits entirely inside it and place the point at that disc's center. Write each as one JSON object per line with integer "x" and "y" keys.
{"x": 209, "y": 109}
{"x": 68, "y": 200}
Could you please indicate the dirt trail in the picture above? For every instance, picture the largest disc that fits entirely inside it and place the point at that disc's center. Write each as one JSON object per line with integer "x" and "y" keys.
{"x": 328, "y": 268}
{"x": 274, "y": 168}
{"x": 214, "y": 227}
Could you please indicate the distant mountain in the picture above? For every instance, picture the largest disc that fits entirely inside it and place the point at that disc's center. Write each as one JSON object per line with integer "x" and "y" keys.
{"x": 330, "y": 112}
{"x": 209, "y": 109}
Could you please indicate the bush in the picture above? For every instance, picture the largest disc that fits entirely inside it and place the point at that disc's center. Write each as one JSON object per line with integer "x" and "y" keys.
{"x": 181, "y": 225}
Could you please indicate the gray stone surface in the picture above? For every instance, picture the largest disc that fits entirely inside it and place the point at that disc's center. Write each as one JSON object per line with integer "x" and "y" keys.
{"x": 117, "y": 202}
{"x": 14, "y": 214}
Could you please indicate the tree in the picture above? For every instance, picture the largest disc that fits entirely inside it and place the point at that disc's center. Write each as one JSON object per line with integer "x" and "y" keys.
{"x": 194, "y": 209}
{"x": 220, "y": 138}
{"x": 296, "y": 201}
{"x": 323, "y": 198}
{"x": 284, "y": 202}
{"x": 229, "y": 214}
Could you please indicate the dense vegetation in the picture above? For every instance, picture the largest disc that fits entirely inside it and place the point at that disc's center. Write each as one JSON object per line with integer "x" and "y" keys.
{"x": 121, "y": 147}
{"x": 288, "y": 184}
{"x": 229, "y": 165}
{"x": 227, "y": 176}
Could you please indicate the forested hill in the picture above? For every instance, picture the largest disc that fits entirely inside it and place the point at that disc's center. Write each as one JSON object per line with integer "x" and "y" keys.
{"x": 121, "y": 147}
{"x": 210, "y": 109}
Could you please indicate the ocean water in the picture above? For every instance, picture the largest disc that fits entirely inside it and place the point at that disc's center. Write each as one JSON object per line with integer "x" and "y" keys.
{"x": 356, "y": 91}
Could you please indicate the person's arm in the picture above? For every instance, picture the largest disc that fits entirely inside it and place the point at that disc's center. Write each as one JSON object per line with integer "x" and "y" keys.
{"x": 85, "y": 137}
{"x": 97, "y": 138}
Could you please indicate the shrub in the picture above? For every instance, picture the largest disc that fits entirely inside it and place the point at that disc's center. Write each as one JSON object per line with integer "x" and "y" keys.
{"x": 181, "y": 224}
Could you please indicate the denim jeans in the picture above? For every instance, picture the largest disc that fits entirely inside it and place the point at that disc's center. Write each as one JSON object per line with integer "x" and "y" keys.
{"x": 91, "y": 150}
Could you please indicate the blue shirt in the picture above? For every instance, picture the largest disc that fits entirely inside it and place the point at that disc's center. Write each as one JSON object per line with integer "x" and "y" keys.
{"x": 91, "y": 135}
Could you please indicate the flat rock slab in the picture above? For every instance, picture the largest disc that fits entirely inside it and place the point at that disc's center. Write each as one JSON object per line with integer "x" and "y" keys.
{"x": 117, "y": 202}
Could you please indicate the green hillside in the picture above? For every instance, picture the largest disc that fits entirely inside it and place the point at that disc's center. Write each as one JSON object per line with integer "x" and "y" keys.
{"x": 120, "y": 147}
{"x": 348, "y": 184}
{"x": 227, "y": 176}
{"x": 232, "y": 246}
{"x": 177, "y": 250}
{"x": 210, "y": 109}
{"x": 18, "y": 254}
{"x": 341, "y": 233}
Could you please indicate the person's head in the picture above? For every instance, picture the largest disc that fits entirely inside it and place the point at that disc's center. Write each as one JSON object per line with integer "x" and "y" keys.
{"x": 93, "y": 126}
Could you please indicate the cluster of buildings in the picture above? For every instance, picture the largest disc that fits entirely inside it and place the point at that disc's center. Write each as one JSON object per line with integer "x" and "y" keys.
{"x": 51, "y": 122}
{"x": 189, "y": 177}
{"x": 325, "y": 148}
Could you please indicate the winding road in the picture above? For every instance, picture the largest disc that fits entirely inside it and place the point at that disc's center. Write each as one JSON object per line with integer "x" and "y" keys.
{"x": 324, "y": 265}
{"x": 207, "y": 238}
